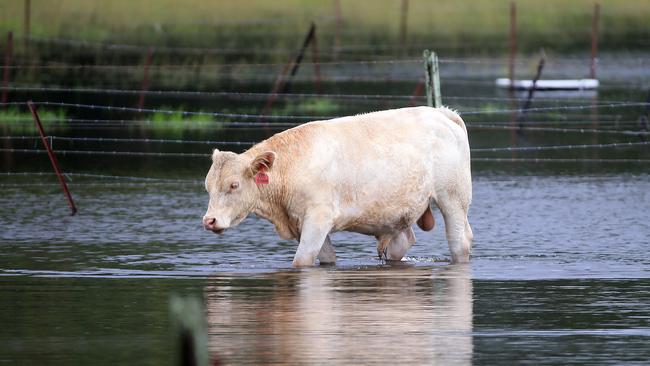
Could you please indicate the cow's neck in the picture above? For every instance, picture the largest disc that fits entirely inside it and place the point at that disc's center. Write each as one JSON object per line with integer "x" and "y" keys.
{"x": 271, "y": 206}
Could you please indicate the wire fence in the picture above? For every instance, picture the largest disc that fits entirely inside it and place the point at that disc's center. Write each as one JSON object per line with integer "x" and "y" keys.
{"x": 561, "y": 116}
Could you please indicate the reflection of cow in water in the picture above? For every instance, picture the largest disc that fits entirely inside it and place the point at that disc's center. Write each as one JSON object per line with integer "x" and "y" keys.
{"x": 345, "y": 317}
{"x": 376, "y": 174}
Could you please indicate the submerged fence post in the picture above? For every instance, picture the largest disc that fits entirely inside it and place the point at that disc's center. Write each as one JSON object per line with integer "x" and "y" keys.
{"x": 50, "y": 153}
{"x": 188, "y": 321}
{"x": 432, "y": 75}
{"x": 5, "y": 74}
{"x": 594, "y": 40}
{"x": 145, "y": 78}
{"x": 512, "y": 44}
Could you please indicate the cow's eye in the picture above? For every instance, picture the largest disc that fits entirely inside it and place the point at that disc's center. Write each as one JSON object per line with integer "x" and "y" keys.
{"x": 234, "y": 185}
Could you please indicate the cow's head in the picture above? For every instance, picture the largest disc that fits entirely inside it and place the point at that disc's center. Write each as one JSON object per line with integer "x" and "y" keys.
{"x": 231, "y": 184}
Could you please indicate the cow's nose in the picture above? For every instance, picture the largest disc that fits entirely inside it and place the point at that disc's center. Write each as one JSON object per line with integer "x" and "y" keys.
{"x": 209, "y": 223}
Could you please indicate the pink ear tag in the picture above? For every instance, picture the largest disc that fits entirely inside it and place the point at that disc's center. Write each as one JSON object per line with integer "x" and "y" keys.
{"x": 261, "y": 177}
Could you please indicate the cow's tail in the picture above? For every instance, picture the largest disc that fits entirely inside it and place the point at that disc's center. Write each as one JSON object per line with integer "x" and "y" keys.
{"x": 452, "y": 115}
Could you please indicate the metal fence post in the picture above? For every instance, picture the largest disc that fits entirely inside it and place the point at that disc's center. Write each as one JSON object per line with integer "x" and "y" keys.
{"x": 50, "y": 153}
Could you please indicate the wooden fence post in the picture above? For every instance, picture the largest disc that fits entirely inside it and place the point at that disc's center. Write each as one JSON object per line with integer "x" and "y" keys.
{"x": 432, "y": 74}
{"x": 5, "y": 74}
{"x": 188, "y": 321}
{"x": 145, "y": 78}
{"x": 512, "y": 44}
{"x": 594, "y": 40}
{"x": 50, "y": 153}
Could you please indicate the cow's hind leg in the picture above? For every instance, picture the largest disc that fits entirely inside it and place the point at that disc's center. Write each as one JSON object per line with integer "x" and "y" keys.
{"x": 459, "y": 233}
{"x": 327, "y": 254}
{"x": 394, "y": 247}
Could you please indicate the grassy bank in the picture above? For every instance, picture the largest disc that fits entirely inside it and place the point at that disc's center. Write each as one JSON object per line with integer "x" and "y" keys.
{"x": 480, "y": 25}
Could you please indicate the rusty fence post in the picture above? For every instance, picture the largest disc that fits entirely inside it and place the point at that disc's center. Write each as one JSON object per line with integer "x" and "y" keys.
{"x": 145, "y": 78}
{"x": 27, "y": 23}
{"x": 283, "y": 82}
{"x": 50, "y": 153}
{"x": 594, "y": 40}
{"x": 512, "y": 44}
{"x": 5, "y": 73}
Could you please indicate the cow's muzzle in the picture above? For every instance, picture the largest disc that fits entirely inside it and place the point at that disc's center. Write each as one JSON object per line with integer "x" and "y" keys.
{"x": 210, "y": 223}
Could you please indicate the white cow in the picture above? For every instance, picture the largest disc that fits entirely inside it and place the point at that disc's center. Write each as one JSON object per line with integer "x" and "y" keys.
{"x": 376, "y": 174}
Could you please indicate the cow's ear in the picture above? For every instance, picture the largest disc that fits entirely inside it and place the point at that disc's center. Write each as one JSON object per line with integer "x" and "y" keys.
{"x": 215, "y": 154}
{"x": 263, "y": 161}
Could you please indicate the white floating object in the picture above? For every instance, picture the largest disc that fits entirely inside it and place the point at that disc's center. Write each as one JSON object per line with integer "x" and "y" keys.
{"x": 567, "y": 84}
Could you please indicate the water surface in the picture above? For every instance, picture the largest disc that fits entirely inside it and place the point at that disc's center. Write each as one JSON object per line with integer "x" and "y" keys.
{"x": 559, "y": 274}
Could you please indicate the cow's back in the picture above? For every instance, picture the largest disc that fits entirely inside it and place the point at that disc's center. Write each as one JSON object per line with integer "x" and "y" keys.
{"x": 373, "y": 169}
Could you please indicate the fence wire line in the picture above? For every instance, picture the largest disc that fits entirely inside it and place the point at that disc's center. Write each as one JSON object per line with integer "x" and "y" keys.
{"x": 177, "y": 154}
{"x": 128, "y": 140}
{"x": 260, "y": 116}
{"x": 256, "y": 95}
{"x": 191, "y": 67}
{"x": 111, "y": 153}
{"x": 93, "y": 184}
{"x": 484, "y": 61}
{"x": 556, "y": 129}
{"x": 562, "y": 147}
{"x": 213, "y": 94}
{"x": 560, "y": 160}
{"x": 102, "y": 176}
{"x": 250, "y": 143}
{"x": 532, "y": 160}
{"x": 279, "y": 125}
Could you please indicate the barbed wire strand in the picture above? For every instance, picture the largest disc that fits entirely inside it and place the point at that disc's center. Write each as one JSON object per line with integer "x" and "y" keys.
{"x": 258, "y": 95}
{"x": 305, "y": 117}
{"x": 102, "y": 176}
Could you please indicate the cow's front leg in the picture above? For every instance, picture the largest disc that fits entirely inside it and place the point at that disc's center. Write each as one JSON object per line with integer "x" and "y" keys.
{"x": 327, "y": 254}
{"x": 315, "y": 229}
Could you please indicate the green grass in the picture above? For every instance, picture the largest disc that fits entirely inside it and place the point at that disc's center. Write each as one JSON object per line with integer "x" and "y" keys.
{"x": 454, "y": 24}
{"x": 15, "y": 121}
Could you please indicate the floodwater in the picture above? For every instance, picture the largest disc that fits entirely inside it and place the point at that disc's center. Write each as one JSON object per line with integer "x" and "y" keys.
{"x": 560, "y": 271}
{"x": 560, "y": 275}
